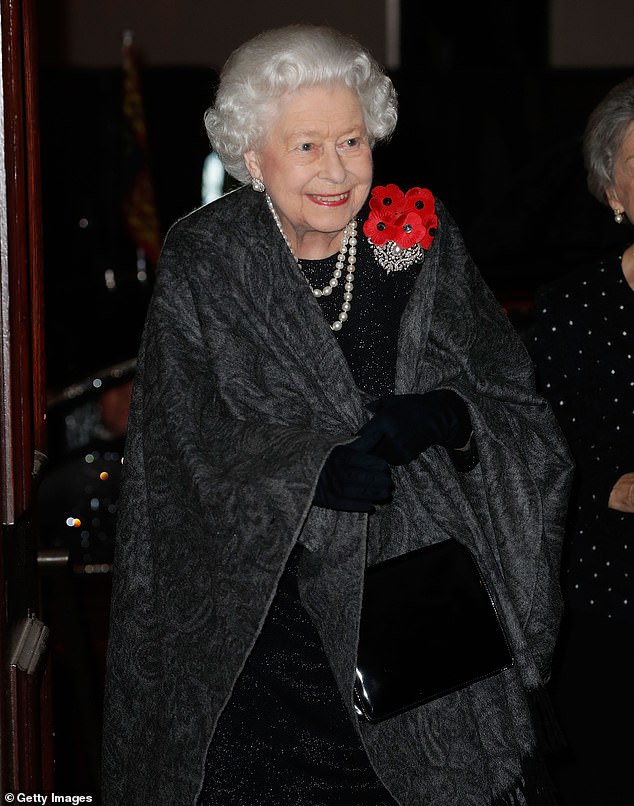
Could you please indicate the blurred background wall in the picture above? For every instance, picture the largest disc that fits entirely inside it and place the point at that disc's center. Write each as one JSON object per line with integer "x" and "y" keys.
{"x": 578, "y": 33}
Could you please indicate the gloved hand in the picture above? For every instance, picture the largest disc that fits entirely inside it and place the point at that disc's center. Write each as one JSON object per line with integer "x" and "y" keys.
{"x": 352, "y": 480}
{"x": 404, "y": 426}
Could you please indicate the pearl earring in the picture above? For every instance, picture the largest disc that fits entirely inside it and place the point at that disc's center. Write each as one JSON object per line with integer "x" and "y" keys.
{"x": 618, "y": 216}
{"x": 257, "y": 184}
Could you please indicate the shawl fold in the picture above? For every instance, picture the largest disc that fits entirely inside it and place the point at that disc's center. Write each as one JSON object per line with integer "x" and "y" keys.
{"x": 241, "y": 392}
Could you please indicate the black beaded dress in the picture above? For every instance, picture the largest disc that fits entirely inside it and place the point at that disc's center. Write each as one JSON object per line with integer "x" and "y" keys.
{"x": 285, "y": 737}
{"x": 583, "y": 347}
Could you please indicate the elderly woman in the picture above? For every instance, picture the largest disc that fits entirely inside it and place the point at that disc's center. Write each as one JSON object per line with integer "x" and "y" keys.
{"x": 324, "y": 382}
{"x": 583, "y": 347}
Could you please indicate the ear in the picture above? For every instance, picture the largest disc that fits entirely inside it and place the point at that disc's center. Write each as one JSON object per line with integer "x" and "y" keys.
{"x": 253, "y": 164}
{"x": 613, "y": 199}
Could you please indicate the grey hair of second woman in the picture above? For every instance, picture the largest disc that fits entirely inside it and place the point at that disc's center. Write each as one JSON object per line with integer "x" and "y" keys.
{"x": 283, "y": 60}
{"x": 605, "y": 130}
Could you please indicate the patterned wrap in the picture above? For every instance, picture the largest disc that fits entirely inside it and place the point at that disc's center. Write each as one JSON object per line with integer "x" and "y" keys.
{"x": 240, "y": 394}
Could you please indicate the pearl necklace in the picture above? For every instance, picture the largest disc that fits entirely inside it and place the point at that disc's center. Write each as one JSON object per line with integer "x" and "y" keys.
{"x": 349, "y": 247}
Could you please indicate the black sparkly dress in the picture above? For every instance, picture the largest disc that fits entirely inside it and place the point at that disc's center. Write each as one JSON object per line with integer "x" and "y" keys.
{"x": 285, "y": 737}
{"x": 583, "y": 347}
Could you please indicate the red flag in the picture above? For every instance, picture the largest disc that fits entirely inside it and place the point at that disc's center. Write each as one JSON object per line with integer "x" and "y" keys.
{"x": 139, "y": 203}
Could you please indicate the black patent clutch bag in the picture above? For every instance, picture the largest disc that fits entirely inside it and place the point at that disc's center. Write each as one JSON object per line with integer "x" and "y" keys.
{"x": 428, "y": 627}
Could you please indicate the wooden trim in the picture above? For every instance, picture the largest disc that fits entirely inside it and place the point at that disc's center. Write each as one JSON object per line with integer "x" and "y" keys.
{"x": 35, "y": 233}
{"x": 7, "y": 503}
{"x": 25, "y": 746}
{"x": 22, "y": 394}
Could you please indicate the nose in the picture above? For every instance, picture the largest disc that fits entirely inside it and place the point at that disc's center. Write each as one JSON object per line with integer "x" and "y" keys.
{"x": 332, "y": 167}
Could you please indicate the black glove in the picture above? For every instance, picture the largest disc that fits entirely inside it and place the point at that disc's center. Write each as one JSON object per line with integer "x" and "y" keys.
{"x": 404, "y": 426}
{"x": 352, "y": 480}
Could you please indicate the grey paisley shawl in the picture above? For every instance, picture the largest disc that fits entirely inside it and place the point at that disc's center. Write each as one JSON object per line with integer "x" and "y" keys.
{"x": 241, "y": 391}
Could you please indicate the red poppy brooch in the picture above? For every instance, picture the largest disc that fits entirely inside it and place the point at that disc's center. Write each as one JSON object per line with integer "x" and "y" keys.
{"x": 400, "y": 225}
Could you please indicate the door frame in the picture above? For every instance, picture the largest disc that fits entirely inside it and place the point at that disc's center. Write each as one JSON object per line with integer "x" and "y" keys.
{"x": 26, "y": 758}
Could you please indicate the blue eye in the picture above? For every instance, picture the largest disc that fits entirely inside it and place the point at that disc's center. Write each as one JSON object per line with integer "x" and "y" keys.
{"x": 306, "y": 147}
{"x": 350, "y": 142}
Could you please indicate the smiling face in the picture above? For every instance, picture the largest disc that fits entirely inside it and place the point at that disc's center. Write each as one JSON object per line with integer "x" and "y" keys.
{"x": 316, "y": 165}
{"x": 621, "y": 194}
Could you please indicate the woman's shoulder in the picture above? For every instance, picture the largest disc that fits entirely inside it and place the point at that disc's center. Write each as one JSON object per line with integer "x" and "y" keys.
{"x": 232, "y": 208}
{"x": 585, "y": 280}
{"x": 219, "y": 233}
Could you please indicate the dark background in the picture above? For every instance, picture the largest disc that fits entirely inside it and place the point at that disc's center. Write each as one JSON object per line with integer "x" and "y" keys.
{"x": 485, "y": 122}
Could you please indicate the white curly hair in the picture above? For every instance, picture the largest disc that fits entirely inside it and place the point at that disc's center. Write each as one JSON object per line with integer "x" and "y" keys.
{"x": 281, "y": 61}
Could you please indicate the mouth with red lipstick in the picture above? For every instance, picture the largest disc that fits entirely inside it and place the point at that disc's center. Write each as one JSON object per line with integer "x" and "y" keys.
{"x": 329, "y": 199}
